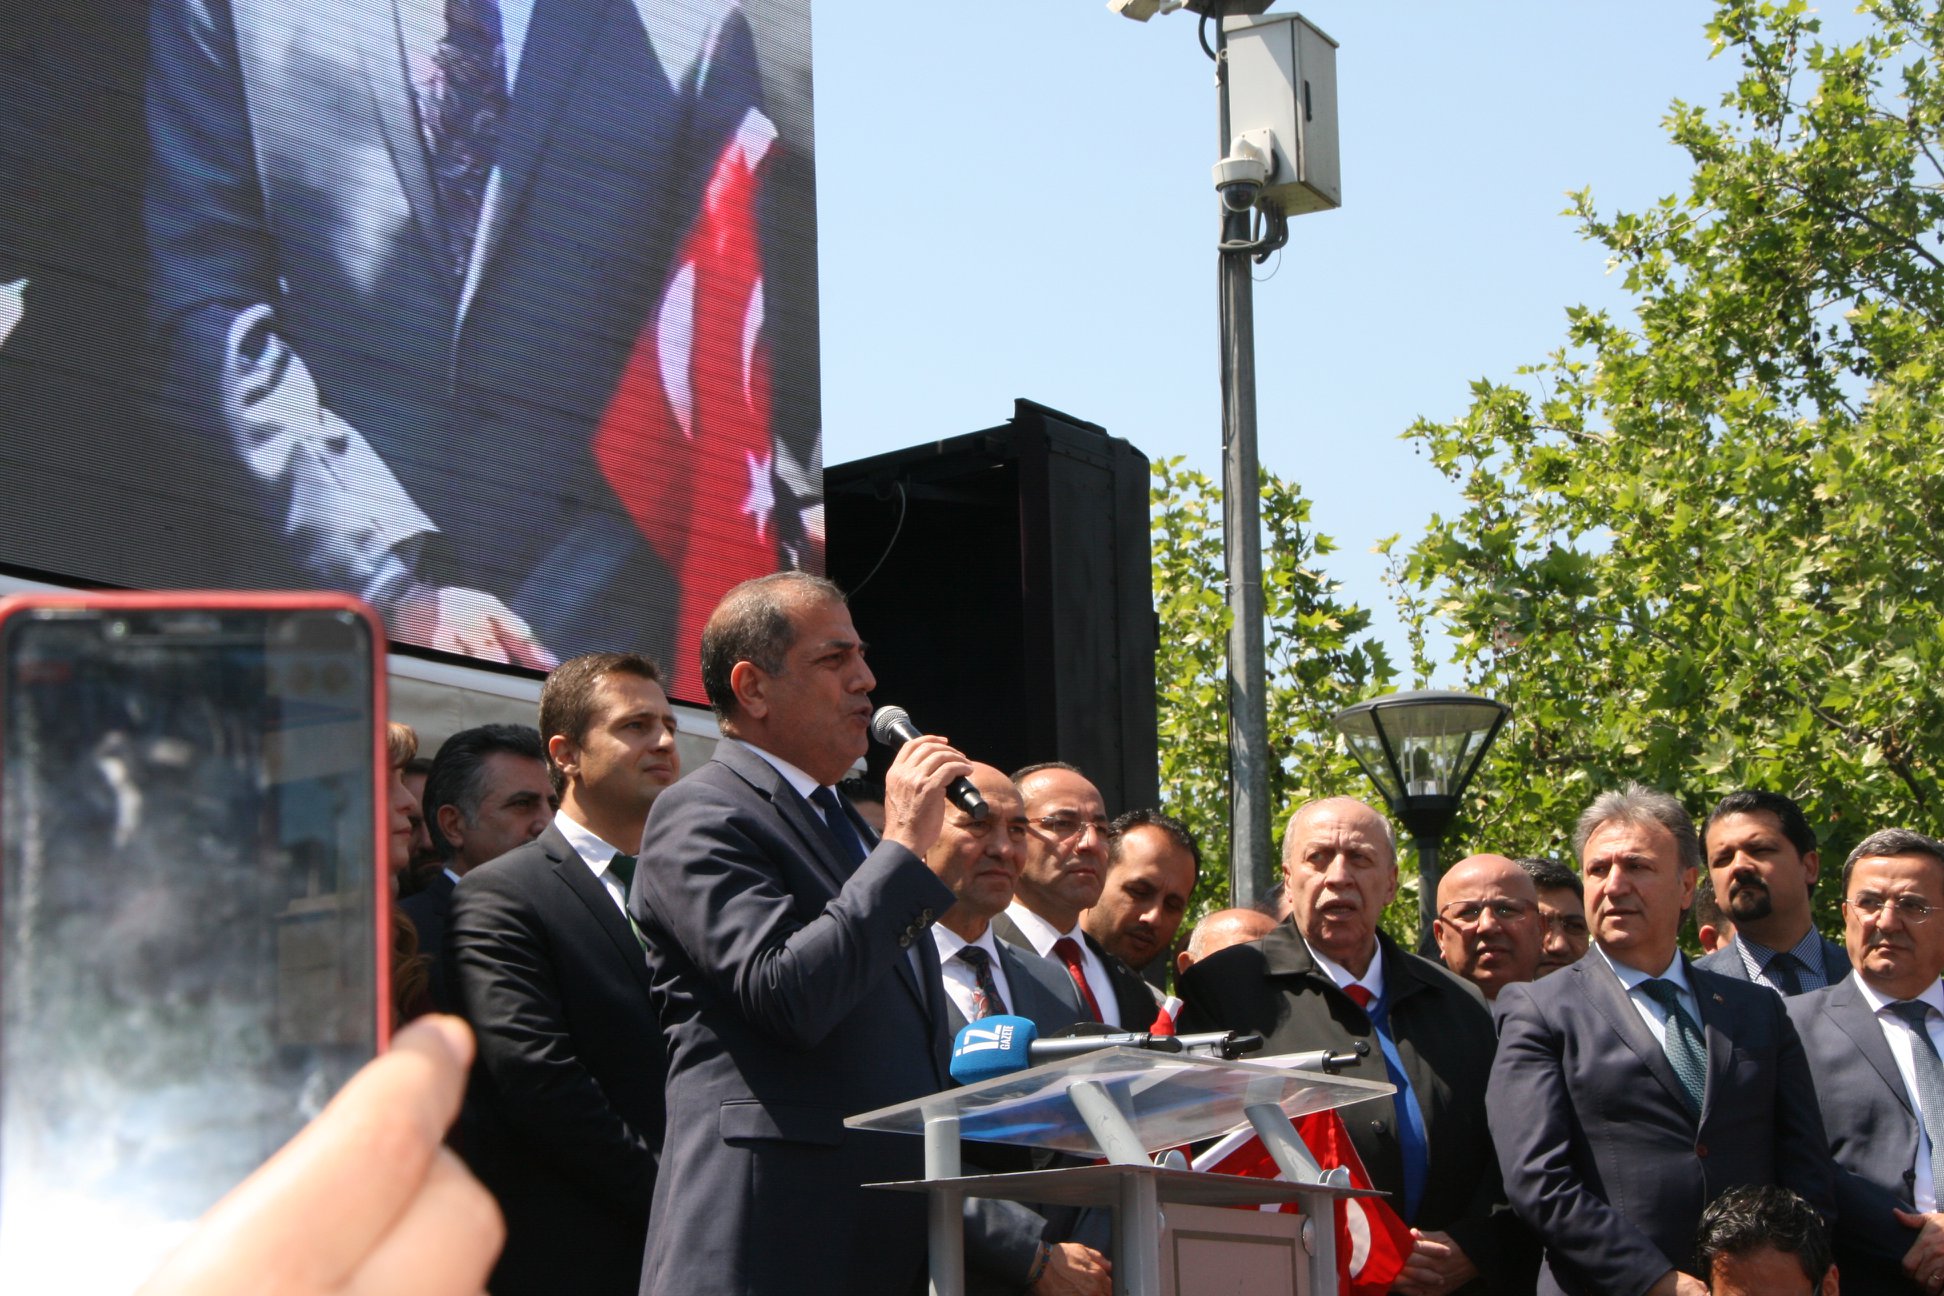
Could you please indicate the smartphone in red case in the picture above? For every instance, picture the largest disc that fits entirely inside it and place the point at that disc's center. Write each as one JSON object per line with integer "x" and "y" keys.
{"x": 194, "y": 907}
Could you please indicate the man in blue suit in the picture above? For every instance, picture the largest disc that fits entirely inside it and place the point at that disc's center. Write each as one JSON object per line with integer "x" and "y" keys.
{"x": 791, "y": 967}
{"x": 1630, "y": 1089}
{"x": 1761, "y": 856}
{"x": 400, "y": 253}
{"x": 1872, "y": 1040}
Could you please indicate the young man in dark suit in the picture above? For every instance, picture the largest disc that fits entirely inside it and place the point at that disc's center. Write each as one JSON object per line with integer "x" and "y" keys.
{"x": 1632, "y": 1088}
{"x": 1877, "y": 1077}
{"x": 791, "y": 966}
{"x": 564, "y": 1118}
{"x": 1761, "y": 856}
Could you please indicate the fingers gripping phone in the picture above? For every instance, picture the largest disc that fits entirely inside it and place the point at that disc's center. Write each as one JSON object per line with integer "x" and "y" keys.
{"x": 191, "y": 887}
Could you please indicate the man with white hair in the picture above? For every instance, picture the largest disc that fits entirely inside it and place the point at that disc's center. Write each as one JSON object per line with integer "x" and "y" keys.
{"x": 1329, "y": 978}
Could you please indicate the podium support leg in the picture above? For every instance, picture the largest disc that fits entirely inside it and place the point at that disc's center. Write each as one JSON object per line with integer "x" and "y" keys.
{"x": 945, "y": 1208}
{"x": 1139, "y": 1272}
{"x": 1292, "y": 1156}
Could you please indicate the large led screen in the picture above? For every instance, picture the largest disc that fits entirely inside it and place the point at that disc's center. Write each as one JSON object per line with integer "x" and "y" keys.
{"x": 498, "y": 313}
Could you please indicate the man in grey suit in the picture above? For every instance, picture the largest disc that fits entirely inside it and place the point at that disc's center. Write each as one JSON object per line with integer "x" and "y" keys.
{"x": 1631, "y": 1089}
{"x": 791, "y": 967}
{"x": 1008, "y": 1247}
{"x": 1761, "y": 856}
{"x": 1872, "y": 1041}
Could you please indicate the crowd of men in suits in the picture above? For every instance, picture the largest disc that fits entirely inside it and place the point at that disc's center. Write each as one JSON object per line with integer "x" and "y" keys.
{"x": 683, "y": 986}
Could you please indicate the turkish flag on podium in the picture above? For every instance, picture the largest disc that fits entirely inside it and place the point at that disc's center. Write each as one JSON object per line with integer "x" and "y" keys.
{"x": 686, "y": 441}
{"x": 1372, "y": 1242}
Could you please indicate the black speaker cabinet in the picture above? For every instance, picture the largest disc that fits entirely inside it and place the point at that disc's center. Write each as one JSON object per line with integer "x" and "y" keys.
{"x": 1003, "y": 582}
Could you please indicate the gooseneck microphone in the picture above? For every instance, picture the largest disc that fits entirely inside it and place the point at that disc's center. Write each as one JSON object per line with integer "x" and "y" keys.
{"x": 891, "y": 726}
{"x": 1001, "y": 1044}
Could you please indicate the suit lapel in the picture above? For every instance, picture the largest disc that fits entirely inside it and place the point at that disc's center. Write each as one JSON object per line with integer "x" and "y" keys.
{"x": 417, "y": 27}
{"x": 1851, "y": 1013}
{"x": 1610, "y": 999}
{"x": 1836, "y": 964}
{"x": 572, "y": 870}
{"x": 1714, "y": 1030}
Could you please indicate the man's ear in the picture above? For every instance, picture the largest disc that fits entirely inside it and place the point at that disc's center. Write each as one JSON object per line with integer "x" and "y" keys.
{"x": 751, "y": 686}
{"x": 565, "y": 753}
{"x": 452, "y": 825}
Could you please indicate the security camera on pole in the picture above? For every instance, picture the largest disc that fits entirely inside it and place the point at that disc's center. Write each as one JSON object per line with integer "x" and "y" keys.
{"x": 1275, "y": 79}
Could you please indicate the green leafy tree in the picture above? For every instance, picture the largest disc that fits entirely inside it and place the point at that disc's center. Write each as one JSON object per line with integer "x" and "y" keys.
{"x": 1320, "y": 658}
{"x": 1703, "y": 546}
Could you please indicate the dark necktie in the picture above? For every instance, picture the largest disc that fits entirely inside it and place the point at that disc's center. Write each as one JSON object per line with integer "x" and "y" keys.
{"x": 1068, "y": 951}
{"x": 1412, "y": 1143}
{"x": 849, "y": 844}
{"x": 468, "y": 101}
{"x": 1782, "y": 970}
{"x": 989, "y": 1000}
{"x": 623, "y": 867}
{"x": 1929, "y": 1072}
{"x": 1685, "y": 1051}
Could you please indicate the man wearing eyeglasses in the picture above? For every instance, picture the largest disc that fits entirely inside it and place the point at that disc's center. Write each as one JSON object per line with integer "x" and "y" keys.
{"x": 1488, "y": 926}
{"x": 1873, "y": 1041}
{"x": 1065, "y": 867}
{"x": 1633, "y": 1088}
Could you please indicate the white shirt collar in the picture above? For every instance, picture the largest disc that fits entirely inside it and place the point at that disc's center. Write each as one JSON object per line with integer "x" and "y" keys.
{"x": 950, "y": 942}
{"x": 1372, "y": 979}
{"x": 1632, "y": 979}
{"x": 1039, "y": 931}
{"x": 795, "y": 777}
{"x": 1933, "y": 995}
{"x": 597, "y": 852}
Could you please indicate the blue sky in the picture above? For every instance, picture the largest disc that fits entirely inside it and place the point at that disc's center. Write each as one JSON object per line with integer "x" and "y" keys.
{"x": 1014, "y": 200}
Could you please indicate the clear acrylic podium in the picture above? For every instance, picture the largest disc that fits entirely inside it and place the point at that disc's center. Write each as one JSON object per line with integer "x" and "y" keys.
{"x": 1126, "y": 1104}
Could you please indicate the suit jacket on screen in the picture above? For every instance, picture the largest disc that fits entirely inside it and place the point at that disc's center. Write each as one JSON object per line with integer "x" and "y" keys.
{"x": 564, "y": 1116}
{"x": 1600, "y": 1154}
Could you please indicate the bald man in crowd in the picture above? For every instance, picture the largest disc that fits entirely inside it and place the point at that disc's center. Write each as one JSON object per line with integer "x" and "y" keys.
{"x": 1328, "y": 978}
{"x": 1221, "y": 929}
{"x": 1488, "y": 926}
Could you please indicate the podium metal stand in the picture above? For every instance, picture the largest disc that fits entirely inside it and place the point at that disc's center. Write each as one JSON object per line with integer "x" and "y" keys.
{"x": 1124, "y": 1105}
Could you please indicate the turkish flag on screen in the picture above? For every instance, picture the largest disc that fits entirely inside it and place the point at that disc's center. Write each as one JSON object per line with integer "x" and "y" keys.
{"x": 686, "y": 440}
{"x": 1372, "y": 1243}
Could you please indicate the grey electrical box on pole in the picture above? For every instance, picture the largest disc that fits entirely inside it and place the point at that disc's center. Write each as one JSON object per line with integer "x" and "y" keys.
{"x": 1282, "y": 101}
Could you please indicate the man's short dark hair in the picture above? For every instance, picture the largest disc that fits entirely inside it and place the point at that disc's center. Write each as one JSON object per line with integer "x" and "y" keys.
{"x": 1707, "y": 910}
{"x": 1169, "y": 826}
{"x": 419, "y": 765}
{"x": 1889, "y": 843}
{"x": 458, "y": 776}
{"x": 752, "y": 624}
{"x": 1551, "y": 875}
{"x": 567, "y": 705}
{"x": 1744, "y": 1220}
{"x": 1787, "y": 814}
{"x": 1025, "y": 772}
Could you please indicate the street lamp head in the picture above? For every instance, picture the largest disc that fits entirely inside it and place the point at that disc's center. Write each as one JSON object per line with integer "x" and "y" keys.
{"x": 1142, "y": 10}
{"x": 1421, "y": 749}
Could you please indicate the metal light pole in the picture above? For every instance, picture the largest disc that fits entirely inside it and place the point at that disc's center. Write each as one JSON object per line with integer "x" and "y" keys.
{"x": 1421, "y": 750}
{"x": 1277, "y": 157}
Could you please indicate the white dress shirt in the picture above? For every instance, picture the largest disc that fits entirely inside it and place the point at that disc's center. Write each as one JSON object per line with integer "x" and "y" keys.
{"x": 1372, "y": 979}
{"x": 1042, "y": 934}
{"x": 598, "y": 855}
{"x": 961, "y": 983}
{"x": 1645, "y": 1004}
{"x": 1902, "y": 1039}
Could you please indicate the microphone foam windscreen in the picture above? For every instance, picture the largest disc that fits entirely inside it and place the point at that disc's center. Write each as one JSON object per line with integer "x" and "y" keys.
{"x": 991, "y": 1047}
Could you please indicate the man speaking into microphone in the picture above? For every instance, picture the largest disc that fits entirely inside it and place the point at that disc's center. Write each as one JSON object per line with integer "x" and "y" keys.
{"x": 789, "y": 967}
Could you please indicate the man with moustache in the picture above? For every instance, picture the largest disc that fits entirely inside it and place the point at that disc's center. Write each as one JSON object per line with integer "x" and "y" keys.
{"x": 1008, "y": 1247}
{"x": 786, "y": 947}
{"x": 1562, "y": 909}
{"x": 1066, "y": 859}
{"x": 1487, "y": 926}
{"x": 1329, "y": 978}
{"x": 1762, "y": 858}
{"x": 564, "y": 1118}
{"x": 1631, "y": 1089}
{"x": 1872, "y": 1041}
{"x": 1153, "y": 864}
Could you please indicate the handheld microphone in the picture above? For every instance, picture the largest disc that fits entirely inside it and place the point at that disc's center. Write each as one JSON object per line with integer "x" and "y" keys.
{"x": 892, "y": 726}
